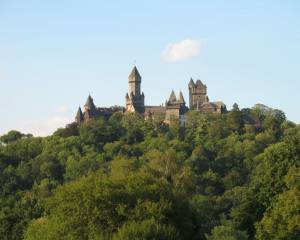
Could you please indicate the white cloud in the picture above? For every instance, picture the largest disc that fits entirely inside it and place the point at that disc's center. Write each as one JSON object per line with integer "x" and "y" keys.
{"x": 186, "y": 49}
{"x": 44, "y": 127}
{"x": 62, "y": 109}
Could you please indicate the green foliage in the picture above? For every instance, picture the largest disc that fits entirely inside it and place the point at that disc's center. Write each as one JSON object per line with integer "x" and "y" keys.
{"x": 130, "y": 178}
{"x": 282, "y": 220}
{"x": 12, "y": 136}
{"x": 226, "y": 232}
{"x": 272, "y": 165}
{"x": 146, "y": 230}
{"x": 70, "y": 130}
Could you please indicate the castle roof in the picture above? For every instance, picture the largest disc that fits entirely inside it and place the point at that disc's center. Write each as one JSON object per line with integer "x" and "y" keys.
{"x": 134, "y": 75}
{"x": 154, "y": 109}
{"x": 199, "y": 83}
{"x": 219, "y": 104}
{"x": 181, "y": 98}
{"x": 209, "y": 105}
{"x": 90, "y": 103}
{"x": 191, "y": 83}
{"x": 172, "y": 97}
{"x": 213, "y": 105}
{"x": 79, "y": 114}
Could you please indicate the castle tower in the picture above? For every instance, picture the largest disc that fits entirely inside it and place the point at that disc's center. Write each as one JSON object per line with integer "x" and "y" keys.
{"x": 89, "y": 106}
{"x": 175, "y": 108}
{"x": 197, "y": 94}
{"x": 89, "y": 109}
{"x": 181, "y": 99}
{"x": 172, "y": 98}
{"x": 135, "y": 100}
{"x": 79, "y": 116}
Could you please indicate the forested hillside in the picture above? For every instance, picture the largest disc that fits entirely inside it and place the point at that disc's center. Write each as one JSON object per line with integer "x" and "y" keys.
{"x": 220, "y": 177}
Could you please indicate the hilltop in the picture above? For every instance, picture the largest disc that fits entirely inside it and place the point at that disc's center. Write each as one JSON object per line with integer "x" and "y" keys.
{"x": 218, "y": 176}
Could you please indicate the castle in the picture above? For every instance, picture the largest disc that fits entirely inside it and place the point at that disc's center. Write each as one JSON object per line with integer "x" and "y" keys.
{"x": 174, "y": 108}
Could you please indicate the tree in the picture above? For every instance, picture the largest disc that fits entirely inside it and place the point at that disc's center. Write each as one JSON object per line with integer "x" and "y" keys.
{"x": 146, "y": 230}
{"x": 71, "y": 129}
{"x": 271, "y": 167}
{"x": 133, "y": 124}
{"x": 226, "y": 233}
{"x": 99, "y": 204}
{"x": 282, "y": 221}
{"x": 130, "y": 178}
{"x": 12, "y": 136}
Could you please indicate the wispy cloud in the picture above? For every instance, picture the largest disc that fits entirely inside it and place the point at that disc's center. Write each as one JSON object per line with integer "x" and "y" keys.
{"x": 43, "y": 127}
{"x": 180, "y": 51}
{"x": 62, "y": 109}
{"x": 46, "y": 125}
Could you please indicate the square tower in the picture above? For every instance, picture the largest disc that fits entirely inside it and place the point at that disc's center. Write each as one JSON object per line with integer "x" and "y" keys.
{"x": 197, "y": 94}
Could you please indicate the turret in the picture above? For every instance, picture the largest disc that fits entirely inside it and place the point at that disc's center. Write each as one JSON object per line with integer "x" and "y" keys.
{"x": 174, "y": 101}
{"x": 181, "y": 98}
{"x": 172, "y": 98}
{"x": 135, "y": 100}
{"x": 197, "y": 94}
{"x": 135, "y": 80}
{"x": 79, "y": 116}
{"x": 89, "y": 105}
{"x": 191, "y": 83}
{"x": 175, "y": 108}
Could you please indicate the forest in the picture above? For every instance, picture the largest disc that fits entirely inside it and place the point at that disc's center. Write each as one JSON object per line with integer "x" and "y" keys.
{"x": 234, "y": 176}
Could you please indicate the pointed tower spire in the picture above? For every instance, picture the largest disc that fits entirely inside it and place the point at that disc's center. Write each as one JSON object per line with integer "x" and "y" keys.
{"x": 172, "y": 97}
{"x": 89, "y": 104}
{"x": 79, "y": 116}
{"x": 134, "y": 76}
{"x": 200, "y": 83}
{"x": 89, "y": 101}
{"x": 135, "y": 100}
{"x": 181, "y": 98}
{"x": 191, "y": 83}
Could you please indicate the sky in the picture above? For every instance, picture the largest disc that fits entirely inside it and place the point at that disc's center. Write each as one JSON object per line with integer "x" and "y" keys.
{"x": 54, "y": 53}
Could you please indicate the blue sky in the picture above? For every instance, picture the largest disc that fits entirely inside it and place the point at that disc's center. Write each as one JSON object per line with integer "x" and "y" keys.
{"x": 53, "y": 53}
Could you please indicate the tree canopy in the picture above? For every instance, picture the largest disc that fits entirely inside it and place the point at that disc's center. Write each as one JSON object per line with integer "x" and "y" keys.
{"x": 230, "y": 176}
